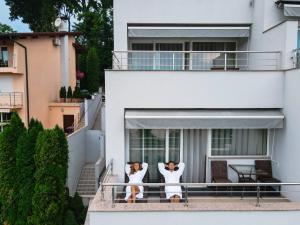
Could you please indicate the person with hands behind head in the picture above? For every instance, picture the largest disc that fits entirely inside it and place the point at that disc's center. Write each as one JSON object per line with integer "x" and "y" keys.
{"x": 135, "y": 172}
{"x": 172, "y": 173}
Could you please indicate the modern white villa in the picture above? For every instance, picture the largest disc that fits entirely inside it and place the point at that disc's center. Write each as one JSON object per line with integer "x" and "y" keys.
{"x": 214, "y": 84}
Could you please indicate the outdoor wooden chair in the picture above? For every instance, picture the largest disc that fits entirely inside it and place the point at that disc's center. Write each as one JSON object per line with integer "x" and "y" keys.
{"x": 265, "y": 173}
{"x": 219, "y": 173}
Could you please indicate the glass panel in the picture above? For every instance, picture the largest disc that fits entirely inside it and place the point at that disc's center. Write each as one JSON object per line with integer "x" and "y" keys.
{"x": 212, "y": 60}
{"x": 154, "y": 151}
{"x": 169, "y": 60}
{"x": 3, "y": 57}
{"x": 136, "y": 145}
{"x": 298, "y": 38}
{"x": 174, "y": 145}
{"x": 141, "y": 60}
{"x": 239, "y": 142}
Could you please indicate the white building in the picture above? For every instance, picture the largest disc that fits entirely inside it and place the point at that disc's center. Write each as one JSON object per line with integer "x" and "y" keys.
{"x": 198, "y": 81}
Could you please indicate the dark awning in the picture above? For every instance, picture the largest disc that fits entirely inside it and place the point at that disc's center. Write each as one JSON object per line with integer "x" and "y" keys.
{"x": 203, "y": 119}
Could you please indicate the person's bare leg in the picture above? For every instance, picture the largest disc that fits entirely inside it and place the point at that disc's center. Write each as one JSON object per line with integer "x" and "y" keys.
{"x": 133, "y": 194}
{"x": 129, "y": 200}
{"x": 176, "y": 199}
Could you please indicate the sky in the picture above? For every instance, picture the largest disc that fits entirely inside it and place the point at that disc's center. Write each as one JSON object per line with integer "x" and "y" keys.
{"x": 4, "y": 18}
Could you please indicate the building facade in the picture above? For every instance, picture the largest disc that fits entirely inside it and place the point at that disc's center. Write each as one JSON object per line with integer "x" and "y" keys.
{"x": 202, "y": 81}
{"x": 33, "y": 68}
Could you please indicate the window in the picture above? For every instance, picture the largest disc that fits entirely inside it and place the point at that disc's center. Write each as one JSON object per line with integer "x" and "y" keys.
{"x": 4, "y": 120}
{"x": 298, "y": 44}
{"x": 239, "y": 142}
{"x": 208, "y": 59}
{"x": 154, "y": 146}
{"x": 148, "y": 59}
{"x": 3, "y": 57}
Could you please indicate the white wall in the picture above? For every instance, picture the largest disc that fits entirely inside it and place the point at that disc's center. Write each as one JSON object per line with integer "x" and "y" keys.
{"x": 91, "y": 109}
{"x": 94, "y": 145}
{"x": 6, "y": 84}
{"x": 197, "y": 218}
{"x": 76, "y": 143}
{"x": 180, "y": 89}
{"x": 177, "y": 11}
{"x": 287, "y": 151}
{"x": 269, "y": 34}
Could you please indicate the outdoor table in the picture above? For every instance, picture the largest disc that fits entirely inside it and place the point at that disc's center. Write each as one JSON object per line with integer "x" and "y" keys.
{"x": 245, "y": 172}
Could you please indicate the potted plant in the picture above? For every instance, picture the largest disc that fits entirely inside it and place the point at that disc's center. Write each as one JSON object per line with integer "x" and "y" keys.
{"x": 62, "y": 94}
{"x": 69, "y": 94}
{"x": 76, "y": 95}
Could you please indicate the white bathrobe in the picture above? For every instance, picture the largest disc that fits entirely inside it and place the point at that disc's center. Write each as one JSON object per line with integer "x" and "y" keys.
{"x": 172, "y": 177}
{"x": 135, "y": 178}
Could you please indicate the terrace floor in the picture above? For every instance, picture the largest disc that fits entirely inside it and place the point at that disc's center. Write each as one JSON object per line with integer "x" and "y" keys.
{"x": 204, "y": 203}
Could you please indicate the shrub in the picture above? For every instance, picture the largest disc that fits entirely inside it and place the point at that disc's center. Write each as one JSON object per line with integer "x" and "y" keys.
{"x": 76, "y": 93}
{"x": 76, "y": 205}
{"x": 69, "y": 93}
{"x": 25, "y": 170}
{"x": 70, "y": 218}
{"x": 8, "y": 145}
{"x": 51, "y": 160}
{"x": 62, "y": 92}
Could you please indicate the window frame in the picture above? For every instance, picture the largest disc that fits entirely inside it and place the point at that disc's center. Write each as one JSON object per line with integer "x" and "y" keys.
{"x": 167, "y": 149}
{"x": 266, "y": 156}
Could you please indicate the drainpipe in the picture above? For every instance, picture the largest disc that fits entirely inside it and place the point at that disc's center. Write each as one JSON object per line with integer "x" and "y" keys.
{"x": 26, "y": 78}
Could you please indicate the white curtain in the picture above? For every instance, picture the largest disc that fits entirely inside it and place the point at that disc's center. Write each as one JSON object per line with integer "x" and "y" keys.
{"x": 194, "y": 154}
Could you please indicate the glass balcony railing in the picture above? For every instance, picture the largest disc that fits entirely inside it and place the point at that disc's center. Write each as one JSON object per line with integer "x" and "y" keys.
{"x": 196, "y": 60}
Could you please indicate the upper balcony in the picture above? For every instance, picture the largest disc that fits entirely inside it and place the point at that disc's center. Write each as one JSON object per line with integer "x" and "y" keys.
{"x": 8, "y": 60}
{"x": 197, "y": 60}
{"x": 297, "y": 58}
{"x": 11, "y": 100}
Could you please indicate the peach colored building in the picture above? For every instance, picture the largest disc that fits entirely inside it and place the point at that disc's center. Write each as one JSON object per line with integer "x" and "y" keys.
{"x": 33, "y": 68}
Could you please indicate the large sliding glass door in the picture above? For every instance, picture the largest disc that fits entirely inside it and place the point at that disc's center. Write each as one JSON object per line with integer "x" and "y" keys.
{"x": 154, "y": 146}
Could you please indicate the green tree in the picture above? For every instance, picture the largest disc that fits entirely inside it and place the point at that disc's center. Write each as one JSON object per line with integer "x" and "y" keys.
{"x": 25, "y": 167}
{"x": 97, "y": 28}
{"x": 5, "y": 28}
{"x": 8, "y": 145}
{"x": 92, "y": 70}
{"x": 51, "y": 160}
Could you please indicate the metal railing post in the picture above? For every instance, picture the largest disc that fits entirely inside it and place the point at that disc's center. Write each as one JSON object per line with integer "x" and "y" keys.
{"x": 257, "y": 196}
{"x": 186, "y": 201}
{"x": 225, "y": 66}
{"x": 113, "y": 196}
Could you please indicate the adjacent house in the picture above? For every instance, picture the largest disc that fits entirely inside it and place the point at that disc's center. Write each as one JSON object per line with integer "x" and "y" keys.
{"x": 33, "y": 68}
{"x": 204, "y": 82}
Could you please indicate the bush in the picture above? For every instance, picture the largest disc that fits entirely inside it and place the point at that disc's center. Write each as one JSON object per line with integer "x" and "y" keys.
{"x": 70, "y": 92}
{"x": 76, "y": 205}
{"x": 25, "y": 170}
{"x": 70, "y": 218}
{"x": 8, "y": 145}
{"x": 76, "y": 93}
{"x": 62, "y": 92}
{"x": 51, "y": 161}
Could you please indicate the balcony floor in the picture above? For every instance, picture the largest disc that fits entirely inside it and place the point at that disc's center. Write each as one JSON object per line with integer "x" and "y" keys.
{"x": 205, "y": 203}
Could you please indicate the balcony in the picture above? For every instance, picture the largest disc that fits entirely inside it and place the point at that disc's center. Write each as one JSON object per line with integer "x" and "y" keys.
{"x": 197, "y": 60}
{"x": 297, "y": 58}
{"x": 11, "y": 100}
{"x": 9, "y": 66}
{"x": 196, "y": 196}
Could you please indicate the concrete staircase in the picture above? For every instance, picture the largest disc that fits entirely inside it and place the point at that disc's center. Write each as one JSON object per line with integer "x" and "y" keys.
{"x": 86, "y": 184}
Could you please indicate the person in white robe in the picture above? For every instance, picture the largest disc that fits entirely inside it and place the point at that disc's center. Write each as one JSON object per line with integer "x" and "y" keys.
{"x": 135, "y": 173}
{"x": 171, "y": 175}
